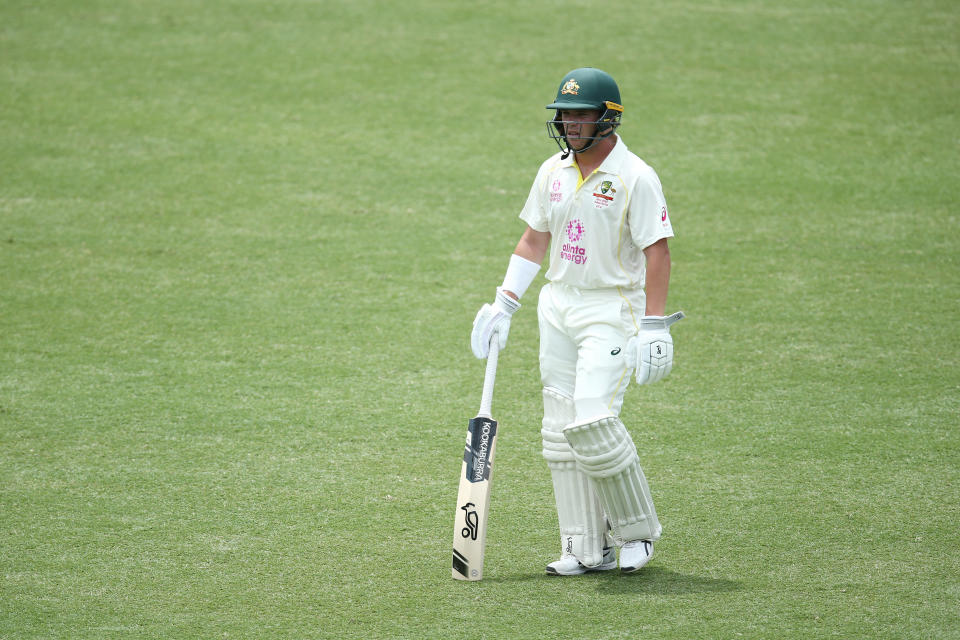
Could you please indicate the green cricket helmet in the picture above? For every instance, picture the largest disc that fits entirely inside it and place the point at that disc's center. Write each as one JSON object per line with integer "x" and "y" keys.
{"x": 582, "y": 89}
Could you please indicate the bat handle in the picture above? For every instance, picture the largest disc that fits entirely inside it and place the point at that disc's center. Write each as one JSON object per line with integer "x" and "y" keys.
{"x": 486, "y": 400}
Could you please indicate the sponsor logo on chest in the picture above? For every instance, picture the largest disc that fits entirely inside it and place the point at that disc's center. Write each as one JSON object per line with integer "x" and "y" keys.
{"x": 604, "y": 195}
{"x": 572, "y": 250}
{"x": 556, "y": 191}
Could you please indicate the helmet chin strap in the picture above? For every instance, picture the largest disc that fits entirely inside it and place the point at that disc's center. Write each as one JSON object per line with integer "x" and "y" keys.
{"x": 593, "y": 141}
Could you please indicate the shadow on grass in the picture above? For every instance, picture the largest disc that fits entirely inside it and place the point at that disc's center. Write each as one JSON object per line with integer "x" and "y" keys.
{"x": 657, "y": 580}
{"x": 653, "y": 580}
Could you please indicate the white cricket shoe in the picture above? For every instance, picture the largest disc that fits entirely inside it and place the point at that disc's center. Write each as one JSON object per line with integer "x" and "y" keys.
{"x": 634, "y": 555}
{"x": 568, "y": 565}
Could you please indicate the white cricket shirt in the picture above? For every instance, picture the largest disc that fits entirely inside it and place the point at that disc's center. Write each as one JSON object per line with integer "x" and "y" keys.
{"x": 600, "y": 224}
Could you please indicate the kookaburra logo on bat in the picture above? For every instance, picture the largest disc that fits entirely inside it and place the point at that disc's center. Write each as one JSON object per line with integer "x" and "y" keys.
{"x": 470, "y": 531}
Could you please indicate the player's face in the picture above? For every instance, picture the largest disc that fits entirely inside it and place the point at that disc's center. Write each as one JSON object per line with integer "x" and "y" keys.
{"x": 579, "y": 126}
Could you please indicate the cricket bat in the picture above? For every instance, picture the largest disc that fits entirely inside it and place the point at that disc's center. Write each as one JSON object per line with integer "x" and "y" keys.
{"x": 476, "y": 478}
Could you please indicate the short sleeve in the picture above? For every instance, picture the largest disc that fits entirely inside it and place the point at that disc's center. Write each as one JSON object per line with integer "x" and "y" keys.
{"x": 534, "y": 211}
{"x": 648, "y": 217}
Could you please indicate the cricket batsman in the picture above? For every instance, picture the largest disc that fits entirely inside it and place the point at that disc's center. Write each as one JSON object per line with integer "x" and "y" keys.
{"x": 600, "y": 212}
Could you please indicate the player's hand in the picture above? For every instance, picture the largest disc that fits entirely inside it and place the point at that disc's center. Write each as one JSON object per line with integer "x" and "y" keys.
{"x": 651, "y": 350}
{"x": 492, "y": 319}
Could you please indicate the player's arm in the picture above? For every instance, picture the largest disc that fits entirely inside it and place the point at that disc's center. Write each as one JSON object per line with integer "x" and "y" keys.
{"x": 652, "y": 347}
{"x": 532, "y": 247}
{"x": 658, "y": 277}
{"x": 494, "y": 319}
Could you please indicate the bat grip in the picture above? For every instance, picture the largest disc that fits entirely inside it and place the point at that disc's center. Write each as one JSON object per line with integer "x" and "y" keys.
{"x": 486, "y": 400}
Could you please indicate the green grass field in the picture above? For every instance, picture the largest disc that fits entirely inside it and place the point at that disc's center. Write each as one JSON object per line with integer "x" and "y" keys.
{"x": 242, "y": 244}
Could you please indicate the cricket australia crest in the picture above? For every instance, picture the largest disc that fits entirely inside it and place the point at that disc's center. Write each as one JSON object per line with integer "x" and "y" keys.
{"x": 605, "y": 195}
{"x": 571, "y": 87}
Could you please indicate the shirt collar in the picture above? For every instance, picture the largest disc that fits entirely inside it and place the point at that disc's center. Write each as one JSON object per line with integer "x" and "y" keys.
{"x": 611, "y": 164}
{"x": 614, "y": 160}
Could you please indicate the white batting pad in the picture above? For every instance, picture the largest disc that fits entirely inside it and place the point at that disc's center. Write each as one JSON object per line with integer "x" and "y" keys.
{"x": 582, "y": 522}
{"x": 605, "y": 452}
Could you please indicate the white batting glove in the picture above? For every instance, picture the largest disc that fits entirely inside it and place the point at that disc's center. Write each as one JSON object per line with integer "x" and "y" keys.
{"x": 492, "y": 319}
{"x": 652, "y": 349}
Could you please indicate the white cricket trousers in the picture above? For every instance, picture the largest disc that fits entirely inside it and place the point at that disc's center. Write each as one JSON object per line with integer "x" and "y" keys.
{"x": 583, "y": 344}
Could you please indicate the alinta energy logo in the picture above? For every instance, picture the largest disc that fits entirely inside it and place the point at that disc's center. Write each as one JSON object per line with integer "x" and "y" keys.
{"x": 570, "y": 250}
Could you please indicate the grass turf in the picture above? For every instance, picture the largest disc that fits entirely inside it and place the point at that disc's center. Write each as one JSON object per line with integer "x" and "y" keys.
{"x": 241, "y": 245}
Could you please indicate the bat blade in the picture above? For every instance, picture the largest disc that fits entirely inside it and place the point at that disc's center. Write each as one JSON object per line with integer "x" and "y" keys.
{"x": 473, "y": 499}
{"x": 476, "y": 479}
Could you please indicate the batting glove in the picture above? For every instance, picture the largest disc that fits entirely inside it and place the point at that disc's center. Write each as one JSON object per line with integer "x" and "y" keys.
{"x": 492, "y": 319}
{"x": 652, "y": 348}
